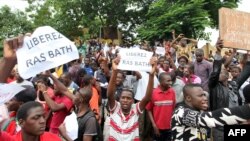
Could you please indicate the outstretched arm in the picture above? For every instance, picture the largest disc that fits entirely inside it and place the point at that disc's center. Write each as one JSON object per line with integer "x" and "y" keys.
{"x": 150, "y": 86}
{"x": 214, "y": 76}
{"x": 61, "y": 87}
{"x": 171, "y": 61}
{"x": 175, "y": 40}
{"x": 112, "y": 87}
{"x": 193, "y": 41}
{"x": 230, "y": 58}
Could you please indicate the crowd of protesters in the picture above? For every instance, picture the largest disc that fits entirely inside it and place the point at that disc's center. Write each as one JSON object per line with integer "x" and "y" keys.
{"x": 185, "y": 96}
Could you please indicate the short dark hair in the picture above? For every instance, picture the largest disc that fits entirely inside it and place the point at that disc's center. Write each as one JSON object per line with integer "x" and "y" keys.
{"x": 200, "y": 51}
{"x": 87, "y": 80}
{"x": 86, "y": 94}
{"x": 237, "y": 67}
{"x": 23, "y": 111}
{"x": 161, "y": 57}
{"x": 87, "y": 56}
{"x": 67, "y": 75}
{"x": 162, "y": 75}
{"x": 26, "y": 95}
{"x": 190, "y": 86}
{"x": 81, "y": 72}
{"x": 190, "y": 66}
{"x": 122, "y": 73}
{"x": 43, "y": 79}
{"x": 128, "y": 89}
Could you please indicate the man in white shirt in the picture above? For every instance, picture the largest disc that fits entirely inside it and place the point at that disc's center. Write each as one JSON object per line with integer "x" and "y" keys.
{"x": 142, "y": 85}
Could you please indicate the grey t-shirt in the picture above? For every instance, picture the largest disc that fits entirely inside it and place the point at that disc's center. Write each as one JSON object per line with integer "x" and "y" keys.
{"x": 87, "y": 125}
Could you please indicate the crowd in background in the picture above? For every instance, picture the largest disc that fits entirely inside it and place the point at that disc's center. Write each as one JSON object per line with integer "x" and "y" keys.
{"x": 90, "y": 99}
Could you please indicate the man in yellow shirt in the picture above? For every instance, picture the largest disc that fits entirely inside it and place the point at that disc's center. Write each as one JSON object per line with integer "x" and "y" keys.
{"x": 185, "y": 46}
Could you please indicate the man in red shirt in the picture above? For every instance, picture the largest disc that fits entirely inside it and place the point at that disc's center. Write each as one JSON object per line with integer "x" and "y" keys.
{"x": 59, "y": 104}
{"x": 45, "y": 80}
{"x": 161, "y": 107}
{"x": 31, "y": 119}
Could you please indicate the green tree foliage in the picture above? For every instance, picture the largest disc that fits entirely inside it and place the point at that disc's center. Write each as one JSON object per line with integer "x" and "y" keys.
{"x": 54, "y": 13}
{"x": 12, "y": 24}
{"x": 67, "y": 16}
{"x": 212, "y": 6}
{"x": 185, "y": 16}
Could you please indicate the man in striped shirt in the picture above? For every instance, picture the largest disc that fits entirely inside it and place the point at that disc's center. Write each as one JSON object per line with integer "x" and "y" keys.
{"x": 124, "y": 114}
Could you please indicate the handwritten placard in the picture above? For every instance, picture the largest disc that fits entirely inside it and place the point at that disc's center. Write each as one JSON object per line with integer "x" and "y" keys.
{"x": 45, "y": 49}
{"x": 234, "y": 28}
{"x": 135, "y": 60}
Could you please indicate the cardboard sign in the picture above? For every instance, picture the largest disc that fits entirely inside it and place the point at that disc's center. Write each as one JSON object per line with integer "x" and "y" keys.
{"x": 45, "y": 49}
{"x": 135, "y": 60}
{"x": 234, "y": 28}
{"x": 8, "y": 91}
{"x": 160, "y": 51}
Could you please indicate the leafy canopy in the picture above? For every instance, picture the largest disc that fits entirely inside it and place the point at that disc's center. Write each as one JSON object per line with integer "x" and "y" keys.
{"x": 12, "y": 23}
{"x": 190, "y": 17}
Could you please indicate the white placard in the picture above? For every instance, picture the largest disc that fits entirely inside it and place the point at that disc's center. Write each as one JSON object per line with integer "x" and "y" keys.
{"x": 135, "y": 60}
{"x": 45, "y": 49}
{"x": 160, "y": 51}
{"x": 8, "y": 91}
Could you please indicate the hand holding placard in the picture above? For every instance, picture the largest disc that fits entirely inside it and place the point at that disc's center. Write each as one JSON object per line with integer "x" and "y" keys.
{"x": 153, "y": 62}
{"x": 10, "y": 47}
{"x": 115, "y": 63}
